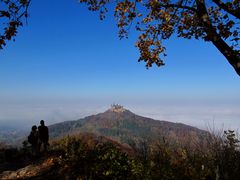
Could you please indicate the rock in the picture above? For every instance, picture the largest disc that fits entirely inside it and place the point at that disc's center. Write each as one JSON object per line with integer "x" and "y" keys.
{"x": 34, "y": 170}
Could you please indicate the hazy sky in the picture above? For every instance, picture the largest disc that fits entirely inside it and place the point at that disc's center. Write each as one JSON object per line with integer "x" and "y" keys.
{"x": 66, "y": 64}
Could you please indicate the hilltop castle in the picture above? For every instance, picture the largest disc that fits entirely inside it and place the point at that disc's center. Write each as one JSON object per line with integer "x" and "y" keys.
{"x": 117, "y": 108}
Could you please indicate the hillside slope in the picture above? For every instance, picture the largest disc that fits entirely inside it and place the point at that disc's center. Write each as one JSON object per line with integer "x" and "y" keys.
{"x": 124, "y": 126}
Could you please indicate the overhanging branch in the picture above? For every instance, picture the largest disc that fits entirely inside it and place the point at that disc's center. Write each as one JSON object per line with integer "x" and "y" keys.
{"x": 178, "y": 6}
{"x": 234, "y": 12}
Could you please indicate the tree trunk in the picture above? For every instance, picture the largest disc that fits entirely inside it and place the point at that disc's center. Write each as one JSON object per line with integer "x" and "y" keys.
{"x": 231, "y": 55}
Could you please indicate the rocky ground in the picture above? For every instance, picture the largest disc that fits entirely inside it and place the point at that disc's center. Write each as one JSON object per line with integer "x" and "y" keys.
{"x": 37, "y": 170}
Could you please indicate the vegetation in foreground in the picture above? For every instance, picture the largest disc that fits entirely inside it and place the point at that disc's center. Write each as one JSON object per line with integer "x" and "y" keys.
{"x": 91, "y": 157}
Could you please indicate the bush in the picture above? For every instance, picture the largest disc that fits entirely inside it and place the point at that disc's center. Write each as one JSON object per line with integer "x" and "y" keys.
{"x": 102, "y": 161}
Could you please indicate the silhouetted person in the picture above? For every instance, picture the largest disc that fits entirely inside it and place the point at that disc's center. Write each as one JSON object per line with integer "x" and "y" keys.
{"x": 33, "y": 140}
{"x": 43, "y": 136}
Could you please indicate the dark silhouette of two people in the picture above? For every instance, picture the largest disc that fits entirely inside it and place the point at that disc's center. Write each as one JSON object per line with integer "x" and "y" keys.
{"x": 38, "y": 138}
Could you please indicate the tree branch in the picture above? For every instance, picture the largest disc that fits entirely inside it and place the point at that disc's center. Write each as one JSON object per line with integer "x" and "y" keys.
{"x": 26, "y": 10}
{"x": 230, "y": 54}
{"x": 178, "y": 6}
{"x": 228, "y": 9}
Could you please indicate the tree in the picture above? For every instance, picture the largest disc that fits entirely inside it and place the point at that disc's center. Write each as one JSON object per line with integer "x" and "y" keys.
{"x": 12, "y": 14}
{"x": 215, "y": 21}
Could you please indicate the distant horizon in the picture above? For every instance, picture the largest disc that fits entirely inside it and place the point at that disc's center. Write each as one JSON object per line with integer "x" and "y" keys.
{"x": 66, "y": 64}
{"x": 200, "y": 117}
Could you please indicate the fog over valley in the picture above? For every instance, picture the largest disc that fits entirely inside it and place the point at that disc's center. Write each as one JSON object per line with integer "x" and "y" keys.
{"x": 22, "y": 114}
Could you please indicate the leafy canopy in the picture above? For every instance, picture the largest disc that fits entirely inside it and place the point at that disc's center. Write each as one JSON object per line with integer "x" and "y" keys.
{"x": 216, "y": 21}
{"x": 12, "y": 14}
{"x": 157, "y": 20}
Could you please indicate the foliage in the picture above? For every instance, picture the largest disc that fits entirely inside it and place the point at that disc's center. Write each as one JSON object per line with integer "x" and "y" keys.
{"x": 216, "y": 21}
{"x": 87, "y": 157}
{"x": 165, "y": 162}
{"x": 157, "y": 20}
{"x": 220, "y": 158}
{"x": 11, "y": 17}
{"x": 101, "y": 161}
{"x": 228, "y": 156}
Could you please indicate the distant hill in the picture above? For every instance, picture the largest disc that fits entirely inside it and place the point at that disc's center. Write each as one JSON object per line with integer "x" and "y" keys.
{"x": 11, "y": 136}
{"x": 124, "y": 126}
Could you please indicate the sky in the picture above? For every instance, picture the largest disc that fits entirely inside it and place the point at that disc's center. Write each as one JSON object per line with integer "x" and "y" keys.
{"x": 66, "y": 64}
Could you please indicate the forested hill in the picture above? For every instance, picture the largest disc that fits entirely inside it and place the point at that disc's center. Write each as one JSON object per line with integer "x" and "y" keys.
{"x": 124, "y": 126}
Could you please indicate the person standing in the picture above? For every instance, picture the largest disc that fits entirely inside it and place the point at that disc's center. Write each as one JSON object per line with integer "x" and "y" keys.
{"x": 33, "y": 140}
{"x": 43, "y": 136}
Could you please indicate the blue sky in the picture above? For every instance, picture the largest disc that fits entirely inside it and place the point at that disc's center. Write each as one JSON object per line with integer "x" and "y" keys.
{"x": 66, "y": 63}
